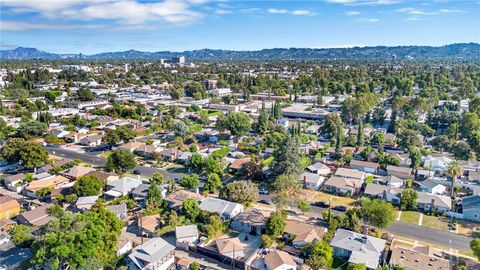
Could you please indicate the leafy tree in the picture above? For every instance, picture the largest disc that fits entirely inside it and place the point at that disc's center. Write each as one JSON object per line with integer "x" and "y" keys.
{"x": 454, "y": 171}
{"x": 267, "y": 241}
{"x": 11, "y": 149}
{"x": 287, "y": 188}
{"x": 415, "y": 157}
{"x": 157, "y": 178}
{"x": 196, "y": 161}
{"x": 88, "y": 185}
{"x": 462, "y": 150}
{"x": 181, "y": 129}
{"x": 331, "y": 124}
{"x": 287, "y": 158}
{"x": 78, "y": 241}
{"x": 360, "y": 138}
{"x": 214, "y": 226}
{"x": 264, "y": 123}
{"x": 191, "y": 209}
{"x": 304, "y": 206}
{"x": 176, "y": 93}
{"x": 409, "y": 199}
{"x": 475, "y": 246}
{"x": 125, "y": 133}
{"x": 121, "y": 160}
{"x": 84, "y": 94}
{"x": 441, "y": 143}
{"x": 379, "y": 213}
{"x": 276, "y": 223}
{"x": 236, "y": 122}
{"x": 320, "y": 255}
{"x": 378, "y": 138}
{"x": 33, "y": 155}
{"x": 213, "y": 165}
{"x": 244, "y": 192}
{"x": 21, "y": 235}
{"x": 194, "y": 266}
{"x": 408, "y": 138}
{"x": 32, "y": 129}
{"x": 190, "y": 181}
{"x": 357, "y": 266}
{"x": 196, "y": 90}
{"x": 212, "y": 183}
{"x": 252, "y": 170}
{"x": 154, "y": 196}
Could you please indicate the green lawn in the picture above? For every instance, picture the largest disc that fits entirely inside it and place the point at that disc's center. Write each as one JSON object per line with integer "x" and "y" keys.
{"x": 105, "y": 154}
{"x": 410, "y": 216}
{"x": 440, "y": 223}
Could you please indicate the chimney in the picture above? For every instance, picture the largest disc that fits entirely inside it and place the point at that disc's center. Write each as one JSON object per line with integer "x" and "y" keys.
{"x": 385, "y": 195}
{"x": 432, "y": 205}
{"x": 365, "y": 230}
{"x": 304, "y": 181}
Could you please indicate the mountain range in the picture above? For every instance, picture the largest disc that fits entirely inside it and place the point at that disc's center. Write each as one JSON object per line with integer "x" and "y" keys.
{"x": 468, "y": 51}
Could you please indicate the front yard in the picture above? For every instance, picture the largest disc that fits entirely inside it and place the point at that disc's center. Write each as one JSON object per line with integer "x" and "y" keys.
{"x": 410, "y": 217}
{"x": 335, "y": 200}
{"x": 439, "y": 223}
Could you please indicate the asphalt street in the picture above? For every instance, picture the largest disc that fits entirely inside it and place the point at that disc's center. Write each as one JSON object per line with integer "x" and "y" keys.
{"x": 92, "y": 158}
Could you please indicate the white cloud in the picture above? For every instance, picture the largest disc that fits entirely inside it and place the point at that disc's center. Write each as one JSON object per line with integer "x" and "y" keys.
{"x": 277, "y": 11}
{"x": 352, "y": 13}
{"x": 364, "y": 2}
{"x": 222, "y": 11}
{"x": 410, "y": 10}
{"x": 123, "y": 12}
{"x": 296, "y": 12}
{"x": 301, "y": 12}
{"x": 445, "y": 10}
{"x": 369, "y": 20}
{"x": 24, "y": 26}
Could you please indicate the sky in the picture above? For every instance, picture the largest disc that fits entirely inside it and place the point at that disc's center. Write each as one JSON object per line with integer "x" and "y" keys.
{"x": 93, "y": 26}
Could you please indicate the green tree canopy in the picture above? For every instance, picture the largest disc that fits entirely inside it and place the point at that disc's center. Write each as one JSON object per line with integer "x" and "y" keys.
{"x": 121, "y": 160}
{"x": 88, "y": 185}
{"x": 245, "y": 192}
{"x": 236, "y": 122}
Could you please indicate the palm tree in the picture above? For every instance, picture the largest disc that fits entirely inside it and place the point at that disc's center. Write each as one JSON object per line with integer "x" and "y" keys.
{"x": 454, "y": 170}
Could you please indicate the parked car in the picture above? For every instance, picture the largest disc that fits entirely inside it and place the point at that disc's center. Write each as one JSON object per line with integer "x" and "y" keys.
{"x": 340, "y": 208}
{"x": 321, "y": 204}
{"x": 263, "y": 191}
{"x": 137, "y": 172}
{"x": 265, "y": 202}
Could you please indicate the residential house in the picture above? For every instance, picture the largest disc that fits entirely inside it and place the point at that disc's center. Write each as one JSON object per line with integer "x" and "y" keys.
{"x": 279, "y": 260}
{"x": 186, "y": 235}
{"x": 471, "y": 208}
{"x": 343, "y": 186}
{"x": 149, "y": 225}
{"x": 350, "y": 173}
{"x": 364, "y": 166}
{"x": 392, "y": 181}
{"x": 319, "y": 168}
{"x": 390, "y": 194}
{"x": 124, "y": 245}
{"x": 122, "y": 187}
{"x": 171, "y": 154}
{"x": 230, "y": 247}
{"x": 9, "y": 207}
{"x": 6, "y": 224}
{"x": 227, "y": 210}
{"x": 76, "y": 172}
{"x": 106, "y": 177}
{"x": 400, "y": 172}
{"x": 175, "y": 199}
{"x": 91, "y": 141}
{"x": 156, "y": 254}
{"x": 358, "y": 248}
{"x": 302, "y": 233}
{"x": 120, "y": 210}
{"x": 130, "y": 146}
{"x": 85, "y": 203}
{"x": 428, "y": 202}
{"x": 36, "y": 217}
{"x": 140, "y": 193}
{"x": 48, "y": 183}
{"x": 438, "y": 164}
{"x": 432, "y": 187}
{"x": 146, "y": 151}
{"x": 237, "y": 164}
{"x": 311, "y": 180}
{"x": 74, "y": 137}
{"x": 14, "y": 182}
{"x": 252, "y": 221}
{"x": 413, "y": 259}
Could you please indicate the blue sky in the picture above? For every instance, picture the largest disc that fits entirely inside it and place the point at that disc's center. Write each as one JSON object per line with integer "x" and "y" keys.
{"x": 92, "y": 26}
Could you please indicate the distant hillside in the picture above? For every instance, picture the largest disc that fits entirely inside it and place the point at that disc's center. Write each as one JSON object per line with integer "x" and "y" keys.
{"x": 453, "y": 51}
